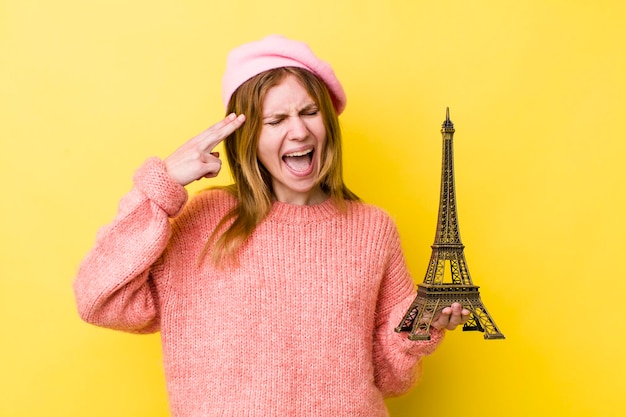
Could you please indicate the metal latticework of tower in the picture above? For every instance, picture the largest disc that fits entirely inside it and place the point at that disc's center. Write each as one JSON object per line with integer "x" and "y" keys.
{"x": 435, "y": 293}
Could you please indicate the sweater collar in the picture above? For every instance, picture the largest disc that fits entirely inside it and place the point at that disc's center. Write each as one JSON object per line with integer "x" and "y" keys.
{"x": 300, "y": 214}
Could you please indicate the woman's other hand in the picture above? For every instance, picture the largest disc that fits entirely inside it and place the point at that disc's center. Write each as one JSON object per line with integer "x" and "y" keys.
{"x": 451, "y": 317}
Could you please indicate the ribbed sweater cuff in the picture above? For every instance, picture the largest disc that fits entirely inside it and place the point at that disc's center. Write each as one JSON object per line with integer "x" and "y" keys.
{"x": 154, "y": 181}
{"x": 423, "y": 347}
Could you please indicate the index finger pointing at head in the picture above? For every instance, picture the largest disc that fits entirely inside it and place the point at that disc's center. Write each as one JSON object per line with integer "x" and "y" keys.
{"x": 221, "y": 130}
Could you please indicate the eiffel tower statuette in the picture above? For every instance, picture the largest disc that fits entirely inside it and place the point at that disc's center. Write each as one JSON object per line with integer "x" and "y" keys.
{"x": 433, "y": 295}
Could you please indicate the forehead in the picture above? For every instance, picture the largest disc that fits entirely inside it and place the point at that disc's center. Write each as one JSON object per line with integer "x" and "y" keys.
{"x": 289, "y": 93}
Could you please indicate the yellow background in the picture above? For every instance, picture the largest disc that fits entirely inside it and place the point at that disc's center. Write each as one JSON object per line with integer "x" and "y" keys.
{"x": 536, "y": 89}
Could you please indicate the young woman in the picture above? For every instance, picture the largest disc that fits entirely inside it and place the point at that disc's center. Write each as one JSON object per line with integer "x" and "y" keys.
{"x": 278, "y": 295}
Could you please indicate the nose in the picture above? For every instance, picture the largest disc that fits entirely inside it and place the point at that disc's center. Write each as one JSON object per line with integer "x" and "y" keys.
{"x": 297, "y": 129}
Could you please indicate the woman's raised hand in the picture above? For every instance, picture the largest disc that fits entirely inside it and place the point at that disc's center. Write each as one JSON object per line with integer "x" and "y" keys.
{"x": 195, "y": 159}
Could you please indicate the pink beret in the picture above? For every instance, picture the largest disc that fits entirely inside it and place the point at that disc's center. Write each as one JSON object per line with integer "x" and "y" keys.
{"x": 275, "y": 51}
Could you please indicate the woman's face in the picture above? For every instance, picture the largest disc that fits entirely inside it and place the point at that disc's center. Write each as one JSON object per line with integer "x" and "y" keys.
{"x": 291, "y": 143}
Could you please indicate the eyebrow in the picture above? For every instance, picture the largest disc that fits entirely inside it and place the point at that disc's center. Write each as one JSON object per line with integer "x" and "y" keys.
{"x": 307, "y": 107}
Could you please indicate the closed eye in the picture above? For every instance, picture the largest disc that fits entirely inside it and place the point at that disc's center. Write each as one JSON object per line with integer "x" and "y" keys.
{"x": 310, "y": 111}
{"x": 275, "y": 119}
{"x": 274, "y": 122}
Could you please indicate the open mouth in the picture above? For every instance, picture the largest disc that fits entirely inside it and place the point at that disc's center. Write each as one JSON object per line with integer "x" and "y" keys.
{"x": 299, "y": 161}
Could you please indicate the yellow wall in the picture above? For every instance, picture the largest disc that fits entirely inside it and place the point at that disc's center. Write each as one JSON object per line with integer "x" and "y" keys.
{"x": 537, "y": 92}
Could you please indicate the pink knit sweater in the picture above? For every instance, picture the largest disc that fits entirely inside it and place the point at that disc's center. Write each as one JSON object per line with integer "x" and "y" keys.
{"x": 303, "y": 327}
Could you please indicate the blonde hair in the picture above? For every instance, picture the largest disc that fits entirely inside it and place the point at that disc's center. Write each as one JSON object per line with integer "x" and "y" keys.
{"x": 252, "y": 185}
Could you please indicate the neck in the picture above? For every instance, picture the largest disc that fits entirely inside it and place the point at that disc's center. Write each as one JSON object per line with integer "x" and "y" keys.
{"x": 311, "y": 198}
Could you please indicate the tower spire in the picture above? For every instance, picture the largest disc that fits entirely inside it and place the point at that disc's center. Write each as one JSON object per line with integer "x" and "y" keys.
{"x": 435, "y": 293}
{"x": 447, "y": 124}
